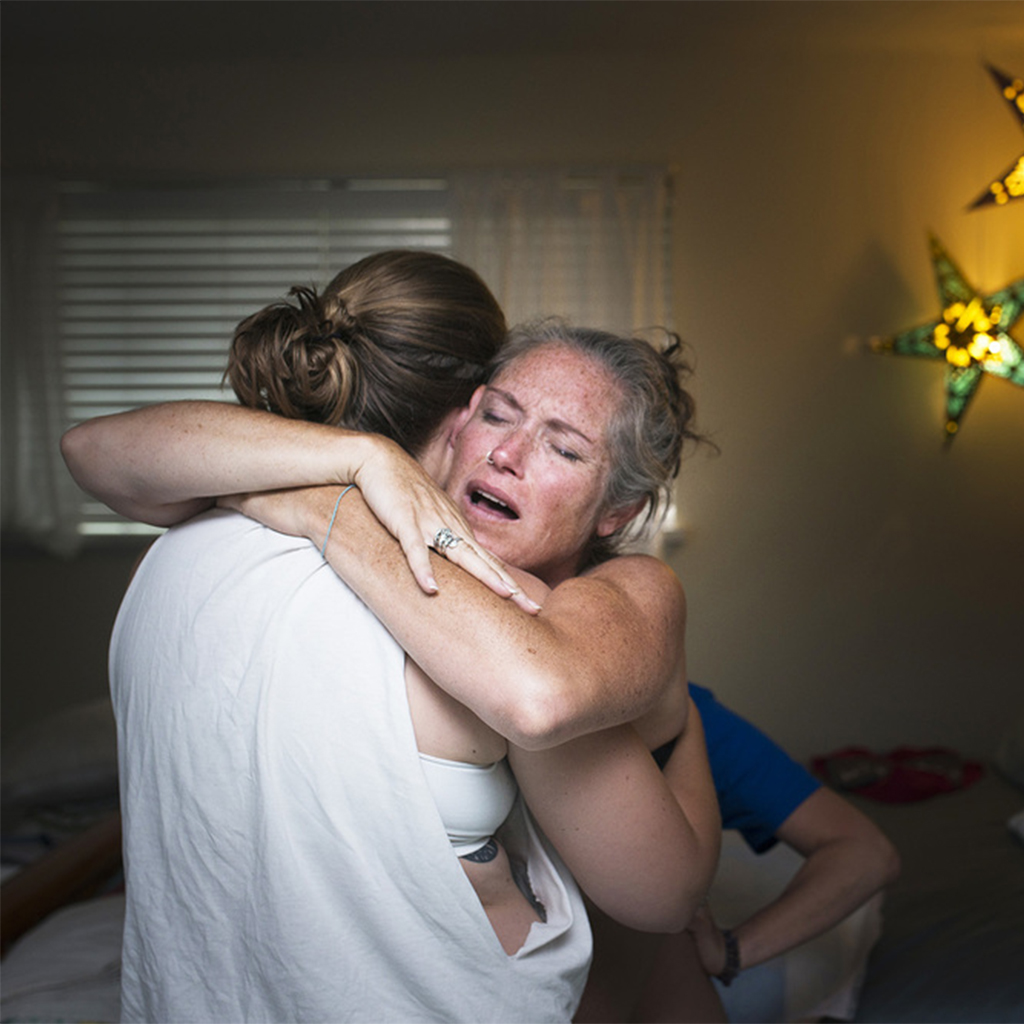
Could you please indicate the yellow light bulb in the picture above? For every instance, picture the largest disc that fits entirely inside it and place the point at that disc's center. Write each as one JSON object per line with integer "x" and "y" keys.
{"x": 967, "y": 316}
{"x": 979, "y": 346}
{"x": 1015, "y": 179}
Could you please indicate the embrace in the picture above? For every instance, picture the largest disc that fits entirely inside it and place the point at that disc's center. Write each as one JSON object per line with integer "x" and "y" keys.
{"x": 388, "y": 689}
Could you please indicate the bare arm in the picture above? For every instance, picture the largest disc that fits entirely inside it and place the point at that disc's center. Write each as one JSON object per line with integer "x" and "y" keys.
{"x": 601, "y": 652}
{"x": 165, "y": 463}
{"x": 848, "y": 861}
{"x": 642, "y": 845}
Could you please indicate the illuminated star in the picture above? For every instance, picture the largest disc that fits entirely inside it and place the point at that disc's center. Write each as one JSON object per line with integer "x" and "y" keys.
{"x": 1010, "y": 184}
{"x": 972, "y": 335}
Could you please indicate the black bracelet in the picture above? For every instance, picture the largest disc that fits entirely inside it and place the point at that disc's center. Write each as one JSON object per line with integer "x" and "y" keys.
{"x": 732, "y": 958}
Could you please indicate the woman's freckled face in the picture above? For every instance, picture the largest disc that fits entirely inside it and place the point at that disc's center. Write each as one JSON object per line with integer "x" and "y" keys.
{"x": 531, "y": 463}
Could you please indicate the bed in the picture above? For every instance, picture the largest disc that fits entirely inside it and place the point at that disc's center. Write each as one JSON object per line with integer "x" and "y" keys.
{"x": 952, "y": 943}
{"x": 946, "y": 943}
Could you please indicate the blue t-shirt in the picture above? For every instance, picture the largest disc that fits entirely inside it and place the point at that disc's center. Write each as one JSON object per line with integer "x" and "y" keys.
{"x": 757, "y": 783}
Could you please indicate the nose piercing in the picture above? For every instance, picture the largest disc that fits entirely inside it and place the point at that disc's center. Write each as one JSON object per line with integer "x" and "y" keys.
{"x": 490, "y": 457}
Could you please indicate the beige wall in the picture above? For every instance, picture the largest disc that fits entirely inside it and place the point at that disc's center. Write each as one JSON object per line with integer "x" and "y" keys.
{"x": 850, "y": 582}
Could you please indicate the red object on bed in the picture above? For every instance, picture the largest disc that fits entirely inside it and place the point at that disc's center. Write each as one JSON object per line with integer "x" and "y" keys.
{"x": 902, "y": 775}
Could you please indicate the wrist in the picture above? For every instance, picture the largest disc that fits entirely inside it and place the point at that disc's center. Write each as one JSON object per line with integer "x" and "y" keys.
{"x": 365, "y": 453}
{"x": 732, "y": 958}
{"x": 317, "y": 508}
{"x": 334, "y": 515}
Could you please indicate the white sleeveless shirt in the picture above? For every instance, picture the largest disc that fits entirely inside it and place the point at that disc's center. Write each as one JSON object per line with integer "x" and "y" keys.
{"x": 284, "y": 858}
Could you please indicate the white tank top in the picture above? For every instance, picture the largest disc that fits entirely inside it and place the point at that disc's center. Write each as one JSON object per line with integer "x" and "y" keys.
{"x": 472, "y": 799}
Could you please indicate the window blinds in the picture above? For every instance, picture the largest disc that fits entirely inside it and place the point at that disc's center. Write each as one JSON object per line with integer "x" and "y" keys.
{"x": 152, "y": 282}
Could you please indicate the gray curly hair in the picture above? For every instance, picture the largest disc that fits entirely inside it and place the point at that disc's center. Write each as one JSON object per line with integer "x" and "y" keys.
{"x": 648, "y": 430}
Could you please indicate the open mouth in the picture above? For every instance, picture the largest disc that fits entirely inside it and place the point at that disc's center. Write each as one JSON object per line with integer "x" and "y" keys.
{"x": 486, "y": 500}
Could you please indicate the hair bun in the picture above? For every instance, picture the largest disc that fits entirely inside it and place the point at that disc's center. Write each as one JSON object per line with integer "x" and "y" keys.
{"x": 339, "y": 317}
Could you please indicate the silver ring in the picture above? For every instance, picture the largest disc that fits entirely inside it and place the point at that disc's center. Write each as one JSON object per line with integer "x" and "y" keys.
{"x": 445, "y": 539}
{"x": 490, "y": 457}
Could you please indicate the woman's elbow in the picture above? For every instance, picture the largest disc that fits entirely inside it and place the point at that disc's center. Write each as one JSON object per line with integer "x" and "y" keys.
{"x": 545, "y": 712}
{"x": 532, "y": 725}
{"x": 888, "y": 860}
{"x": 664, "y": 912}
{"x": 877, "y": 860}
{"x": 74, "y": 445}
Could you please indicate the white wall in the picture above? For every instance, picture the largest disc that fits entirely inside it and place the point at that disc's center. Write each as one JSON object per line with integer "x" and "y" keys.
{"x": 850, "y": 582}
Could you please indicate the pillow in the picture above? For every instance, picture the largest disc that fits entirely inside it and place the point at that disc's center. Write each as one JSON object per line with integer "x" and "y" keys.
{"x": 1009, "y": 757}
{"x": 69, "y": 755}
{"x": 820, "y": 979}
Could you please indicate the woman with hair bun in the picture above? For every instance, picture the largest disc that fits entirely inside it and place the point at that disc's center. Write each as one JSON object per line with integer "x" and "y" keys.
{"x": 290, "y": 772}
{"x": 397, "y": 333}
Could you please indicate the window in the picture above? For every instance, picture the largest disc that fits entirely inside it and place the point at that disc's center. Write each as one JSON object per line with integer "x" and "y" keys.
{"x": 128, "y": 295}
{"x": 153, "y": 282}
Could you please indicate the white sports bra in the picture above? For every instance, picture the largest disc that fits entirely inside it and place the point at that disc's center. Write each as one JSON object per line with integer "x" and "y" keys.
{"x": 472, "y": 799}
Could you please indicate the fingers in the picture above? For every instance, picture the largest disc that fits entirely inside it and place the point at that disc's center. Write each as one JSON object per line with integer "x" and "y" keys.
{"x": 526, "y": 603}
{"x": 422, "y": 517}
{"x": 418, "y": 558}
{"x": 484, "y": 567}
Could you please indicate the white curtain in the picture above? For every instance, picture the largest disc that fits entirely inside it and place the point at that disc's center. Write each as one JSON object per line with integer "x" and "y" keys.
{"x": 40, "y": 501}
{"x": 592, "y": 248}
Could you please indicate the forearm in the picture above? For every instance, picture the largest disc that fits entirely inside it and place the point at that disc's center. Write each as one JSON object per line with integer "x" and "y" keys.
{"x": 844, "y": 867}
{"x": 586, "y": 662}
{"x": 608, "y": 810}
{"x": 164, "y": 463}
{"x": 826, "y": 890}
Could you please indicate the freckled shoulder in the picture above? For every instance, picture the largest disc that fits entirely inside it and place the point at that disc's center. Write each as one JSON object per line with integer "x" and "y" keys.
{"x": 643, "y": 577}
{"x": 650, "y": 598}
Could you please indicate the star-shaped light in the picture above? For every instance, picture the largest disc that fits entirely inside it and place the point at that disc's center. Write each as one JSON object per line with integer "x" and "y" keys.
{"x": 971, "y": 335}
{"x": 1010, "y": 184}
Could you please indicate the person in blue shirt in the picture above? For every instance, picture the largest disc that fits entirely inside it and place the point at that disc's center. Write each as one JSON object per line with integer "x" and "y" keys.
{"x": 757, "y": 783}
{"x": 768, "y": 797}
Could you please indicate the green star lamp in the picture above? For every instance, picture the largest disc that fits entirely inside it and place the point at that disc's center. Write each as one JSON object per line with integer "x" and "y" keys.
{"x": 971, "y": 335}
{"x": 1010, "y": 184}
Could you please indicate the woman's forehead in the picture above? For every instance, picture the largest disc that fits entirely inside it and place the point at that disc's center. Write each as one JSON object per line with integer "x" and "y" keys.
{"x": 564, "y": 388}
{"x": 552, "y": 371}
